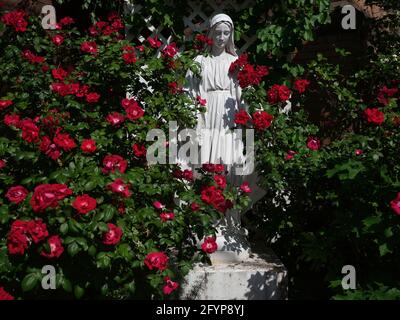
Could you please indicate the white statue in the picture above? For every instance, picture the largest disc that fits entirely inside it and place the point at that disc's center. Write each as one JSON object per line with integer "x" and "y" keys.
{"x": 218, "y": 143}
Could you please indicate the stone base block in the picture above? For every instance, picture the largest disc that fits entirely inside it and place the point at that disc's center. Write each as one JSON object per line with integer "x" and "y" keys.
{"x": 261, "y": 277}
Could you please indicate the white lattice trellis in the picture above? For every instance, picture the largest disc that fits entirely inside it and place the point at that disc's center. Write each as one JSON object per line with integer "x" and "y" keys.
{"x": 198, "y": 9}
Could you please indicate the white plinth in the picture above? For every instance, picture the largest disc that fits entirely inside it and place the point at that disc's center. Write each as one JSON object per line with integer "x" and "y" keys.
{"x": 261, "y": 277}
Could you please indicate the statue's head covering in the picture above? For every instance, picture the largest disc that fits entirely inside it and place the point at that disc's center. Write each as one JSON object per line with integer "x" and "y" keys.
{"x": 223, "y": 18}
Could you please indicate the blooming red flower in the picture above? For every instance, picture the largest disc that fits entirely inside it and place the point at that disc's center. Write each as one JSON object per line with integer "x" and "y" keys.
{"x": 262, "y": 120}
{"x": 220, "y": 181}
{"x": 17, "y": 194}
{"x": 17, "y": 242}
{"x": 170, "y": 50}
{"x": 129, "y": 57}
{"x": 358, "y": 152}
{"x": 11, "y": 120}
{"x": 156, "y": 260}
{"x": 88, "y": 145}
{"x": 2, "y": 164}
{"x": 242, "y": 117}
{"x": 134, "y": 112}
{"x": 278, "y": 93}
{"x": 209, "y": 167}
{"x": 154, "y": 42}
{"x": 209, "y": 245}
{"x": 15, "y": 19}
{"x": 290, "y": 155}
{"x": 395, "y": 204}
{"x": 30, "y": 132}
{"x": 113, "y": 235}
{"x": 173, "y": 88}
{"x": 66, "y": 21}
{"x": 59, "y": 73}
{"x": 92, "y": 97}
{"x": 115, "y": 118}
{"x": 201, "y": 41}
{"x": 49, "y": 148}
{"x": 165, "y": 216}
{"x": 239, "y": 63}
{"x": 114, "y": 162}
{"x": 313, "y": 143}
{"x": 212, "y": 195}
{"x": 48, "y": 195}
{"x": 385, "y": 93}
{"x": 373, "y": 115}
{"x": 84, "y": 204}
{"x": 195, "y": 207}
{"x": 4, "y": 295}
{"x": 170, "y": 286}
{"x": 56, "y": 248}
{"x": 5, "y": 103}
{"x": 37, "y": 230}
{"x": 89, "y": 47}
{"x": 245, "y": 187}
{"x": 201, "y": 101}
{"x": 139, "y": 150}
{"x": 301, "y": 85}
{"x": 119, "y": 187}
{"x": 58, "y": 39}
{"x": 64, "y": 141}
{"x": 158, "y": 205}
{"x": 31, "y": 57}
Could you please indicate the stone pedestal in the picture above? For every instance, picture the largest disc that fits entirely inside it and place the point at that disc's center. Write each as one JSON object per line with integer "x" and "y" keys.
{"x": 260, "y": 277}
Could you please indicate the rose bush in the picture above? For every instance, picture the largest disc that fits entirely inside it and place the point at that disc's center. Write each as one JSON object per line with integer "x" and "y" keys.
{"x": 76, "y": 189}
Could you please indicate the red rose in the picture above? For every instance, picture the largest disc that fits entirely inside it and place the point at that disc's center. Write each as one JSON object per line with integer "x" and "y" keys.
{"x": 385, "y": 93}
{"x": 170, "y": 286}
{"x": 173, "y": 88}
{"x": 92, "y": 97}
{"x": 374, "y": 116}
{"x": 290, "y": 155}
{"x": 201, "y": 101}
{"x": 37, "y": 230}
{"x": 31, "y": 57}
{"x": 139, "y": 150}
{"x": 209, "y": 245}
{"x": 48, "y": 195}
{"x": 17, "y": 242}
{"x": 154, "y": 42}
{"x": 395, "y": 204}
{"x": 49, "y": 148}
{"x": 245, "y": 187}
{"x": 57, "y": 39}
{"x": 56, "y": 248}
{"x": 11, "y": 120}
{"x": 114, "y": 162}
{"x": 59, "y": 73}
{"x": 158, "y": 205}
{"x": 242, "y": 117}
{"x": 129, "y": 57}
{"x": 262, "y": 120}
{"x": 64, "y": 141}
{"x": 195, "y": 207}
{"x": 358, "y": 152}
{"x": 186, "y": 174}
{"x": 4, "y": 295}
{"x": 170, "y": 50}
{"x": 113, "y": 235}
{"x": 17, "y": 194}
{"x": 301, "y": 85}
{"x": 88, "y": 145}
{"x": 66, "y": 21}
{"x": 156, "y": 260}
{"x": 89, "y": 47}
{"x": 134, "y": 112}
{"x": 165, "y": 216}
{"x": 30, "y": 132}
{"x": 15, "y": 19}
{"x": 2, "y": 164}
{"x": 115, "y": 118}
{"x": 278, "y": 93}
{"x": 220, "y": 181}
{"x": 119, "y": 187}
{"x": 5, "y": 103}
{"x": 313, "y": 143}
{"x": 84, "y": 204}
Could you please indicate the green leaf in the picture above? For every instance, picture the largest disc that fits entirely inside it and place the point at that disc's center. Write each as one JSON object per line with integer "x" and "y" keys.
{"x": 73, "y": 249}
{"x": 29, "y": 282}
{"x": 78, "y": 291}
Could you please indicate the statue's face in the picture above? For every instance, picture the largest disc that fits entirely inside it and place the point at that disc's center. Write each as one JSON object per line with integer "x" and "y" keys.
{"x": 221, "y": 35}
